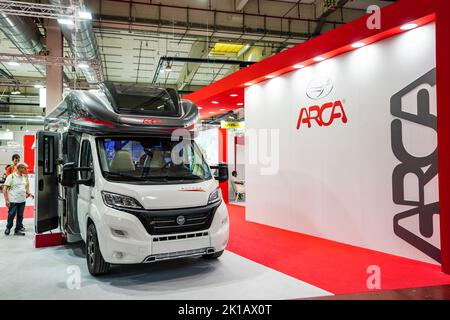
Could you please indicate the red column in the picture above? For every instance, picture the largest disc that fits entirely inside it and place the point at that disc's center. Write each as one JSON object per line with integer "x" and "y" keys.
{"x": 443, "y": 120}
{"x": 28, "y": 151}
{"x": 223, "y": 158}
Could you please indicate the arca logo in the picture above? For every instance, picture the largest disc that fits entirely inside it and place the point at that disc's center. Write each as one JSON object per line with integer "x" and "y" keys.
{"x": 324, "y": 116}
{"x": 151, "y": 121}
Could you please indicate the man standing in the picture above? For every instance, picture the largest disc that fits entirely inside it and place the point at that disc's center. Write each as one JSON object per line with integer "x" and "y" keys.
{"x": 16, "y": 191}
{"x": 12, "y": 168}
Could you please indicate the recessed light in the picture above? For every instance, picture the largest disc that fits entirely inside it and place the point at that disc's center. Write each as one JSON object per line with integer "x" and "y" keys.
{"x": 318, "y": 59}
{"x": 358, "y": 45}
{"x": 270, "y": 76}
{"x": 223, "y": 109}
{"x": 409, "y": 26}
{"x": 234, "y": 95}
{"x": 298, "y": 66}
{"x": 240, "y": 104}
{"x": 13, "y": 63}
{"x": 199, "y": 108}
{"x": 212, "y": 112}
{"x": 249, "y": 84}
{"x": 215, "y": 102}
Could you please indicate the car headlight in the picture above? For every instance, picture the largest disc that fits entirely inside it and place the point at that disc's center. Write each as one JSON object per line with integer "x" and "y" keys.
{"x": 215, "y": 196}
{"x": 119, "y": 201}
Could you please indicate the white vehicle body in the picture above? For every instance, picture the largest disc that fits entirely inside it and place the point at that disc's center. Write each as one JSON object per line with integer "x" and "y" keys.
{"x": 123, "y": 238}
{"x": 110, "y": 178}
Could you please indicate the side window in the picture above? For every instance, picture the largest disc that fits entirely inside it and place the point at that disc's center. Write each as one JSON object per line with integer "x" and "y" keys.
{"x": 86, "y": 160}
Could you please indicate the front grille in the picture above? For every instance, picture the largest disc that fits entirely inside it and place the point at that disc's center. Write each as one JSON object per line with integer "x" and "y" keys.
{"x": 180, "y": 236}
{"x": 178, "y": 254}
{"x": 164, "y": 222}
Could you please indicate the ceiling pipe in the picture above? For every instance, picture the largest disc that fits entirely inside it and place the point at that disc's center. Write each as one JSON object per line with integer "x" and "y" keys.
{"x": 24, "y": 34}
{"x": 38, "y": 120}
{"x": 242, "y": 64}
{"x": 82, "y": 43}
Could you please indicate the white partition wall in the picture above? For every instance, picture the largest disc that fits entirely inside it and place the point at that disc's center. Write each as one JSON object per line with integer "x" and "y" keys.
{"x": 357, "y": 143}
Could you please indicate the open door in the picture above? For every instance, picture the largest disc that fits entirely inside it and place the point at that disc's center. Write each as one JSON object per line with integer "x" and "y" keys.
{"x": 46, "y": 208}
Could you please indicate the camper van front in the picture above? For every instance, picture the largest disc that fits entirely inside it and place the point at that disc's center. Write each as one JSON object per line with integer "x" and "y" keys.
{"x": 151, "y": 199}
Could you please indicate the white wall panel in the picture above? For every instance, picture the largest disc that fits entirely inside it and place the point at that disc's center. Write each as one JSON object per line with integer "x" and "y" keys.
{"x": 336, "y": 182}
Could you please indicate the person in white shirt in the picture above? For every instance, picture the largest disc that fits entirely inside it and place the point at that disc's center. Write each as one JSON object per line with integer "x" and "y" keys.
{"x": 16, "y": 191}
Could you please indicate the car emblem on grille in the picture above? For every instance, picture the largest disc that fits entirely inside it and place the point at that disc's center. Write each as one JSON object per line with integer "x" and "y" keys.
{"x": 181, "y": 220}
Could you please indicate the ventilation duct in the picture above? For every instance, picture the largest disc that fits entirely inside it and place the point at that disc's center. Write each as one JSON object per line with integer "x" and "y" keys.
{"x": 82, "y": 43}
{"x": 24, "y": 34}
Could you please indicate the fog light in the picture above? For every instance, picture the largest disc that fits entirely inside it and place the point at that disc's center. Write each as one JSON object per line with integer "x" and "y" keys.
{"x": 119, "y": 233}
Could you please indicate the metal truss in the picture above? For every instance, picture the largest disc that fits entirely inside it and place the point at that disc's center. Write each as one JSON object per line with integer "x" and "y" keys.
{"x": 49, "y": 60}
{"x": 42, "y": 10}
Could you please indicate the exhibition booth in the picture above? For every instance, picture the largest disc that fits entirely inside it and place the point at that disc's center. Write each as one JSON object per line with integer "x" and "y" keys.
{"x": 342, "y": 136}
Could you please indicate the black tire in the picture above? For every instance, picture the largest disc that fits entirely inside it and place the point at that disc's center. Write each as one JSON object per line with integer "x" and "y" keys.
{"x": 96, "y": 264}
{"x": 214, "y": 255}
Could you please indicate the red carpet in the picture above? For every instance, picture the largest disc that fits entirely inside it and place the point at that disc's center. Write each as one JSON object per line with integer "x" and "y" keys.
{"x": 29, "y": 212}
{"x": 332, "y": 266}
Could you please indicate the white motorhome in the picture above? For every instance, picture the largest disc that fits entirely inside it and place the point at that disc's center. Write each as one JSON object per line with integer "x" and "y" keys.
{"x": 120, "y": 170}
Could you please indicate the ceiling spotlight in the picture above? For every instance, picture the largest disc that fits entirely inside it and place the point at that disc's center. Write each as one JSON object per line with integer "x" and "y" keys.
{"x": 16, "y": 92}
{"x": 168, "y": 67}
{"x": 249, "y": 84}
{"x": 85, "y": 15}
{"x": 215, "y": 102}
{"x": 13, "y": 64}
{"x": 409, "y": 26}
{"x": 65, "y": 21}
{"x": 83, "y": 65}
{"x": 298, "y": 66}
{"x": 357, "y": 45}
{"x": 240, "y": 104}
{"x": 319, "y": 59}
{"x": 270, "y": 76}
{"x": 223, "y": 109}
{"x": 234, "y": 95}
{"x": 199, "y": 108}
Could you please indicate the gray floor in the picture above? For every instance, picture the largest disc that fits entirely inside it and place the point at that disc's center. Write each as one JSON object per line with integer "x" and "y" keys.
{"x": 52, "y": 273}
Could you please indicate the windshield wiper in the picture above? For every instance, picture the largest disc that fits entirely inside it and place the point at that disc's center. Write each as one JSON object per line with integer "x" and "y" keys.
{"x": 118, "y": 175}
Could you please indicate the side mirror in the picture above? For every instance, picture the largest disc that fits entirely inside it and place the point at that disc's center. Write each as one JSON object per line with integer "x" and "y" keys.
{"x": 221, "y": 173}
{"x": 69, "y": 175}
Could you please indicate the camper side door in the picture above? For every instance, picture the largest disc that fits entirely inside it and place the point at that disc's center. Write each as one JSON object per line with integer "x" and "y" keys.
{"x": 85, "y": 190}
{"x": 46, "y": 208}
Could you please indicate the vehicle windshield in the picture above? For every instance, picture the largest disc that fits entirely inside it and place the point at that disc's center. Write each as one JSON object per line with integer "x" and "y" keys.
{"x": 152, "y": 160}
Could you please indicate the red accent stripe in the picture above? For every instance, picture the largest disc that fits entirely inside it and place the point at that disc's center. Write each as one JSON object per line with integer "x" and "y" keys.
{"x": 96, "y": 121}
{"x": 336, "y": 267}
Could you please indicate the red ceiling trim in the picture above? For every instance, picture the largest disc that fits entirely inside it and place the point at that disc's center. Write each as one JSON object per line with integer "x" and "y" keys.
{"x": 330, "y": 44}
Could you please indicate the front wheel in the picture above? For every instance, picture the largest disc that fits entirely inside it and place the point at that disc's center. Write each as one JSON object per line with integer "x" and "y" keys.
{"x": 96, "y": 264}
{"x": 214, "y": 255}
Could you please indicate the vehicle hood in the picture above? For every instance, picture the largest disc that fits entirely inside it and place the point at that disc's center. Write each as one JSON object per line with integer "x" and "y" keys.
{"x": 172, "y": 196}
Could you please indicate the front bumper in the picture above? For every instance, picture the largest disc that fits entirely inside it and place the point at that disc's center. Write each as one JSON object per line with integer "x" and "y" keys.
{"x": 124, "y": 240}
